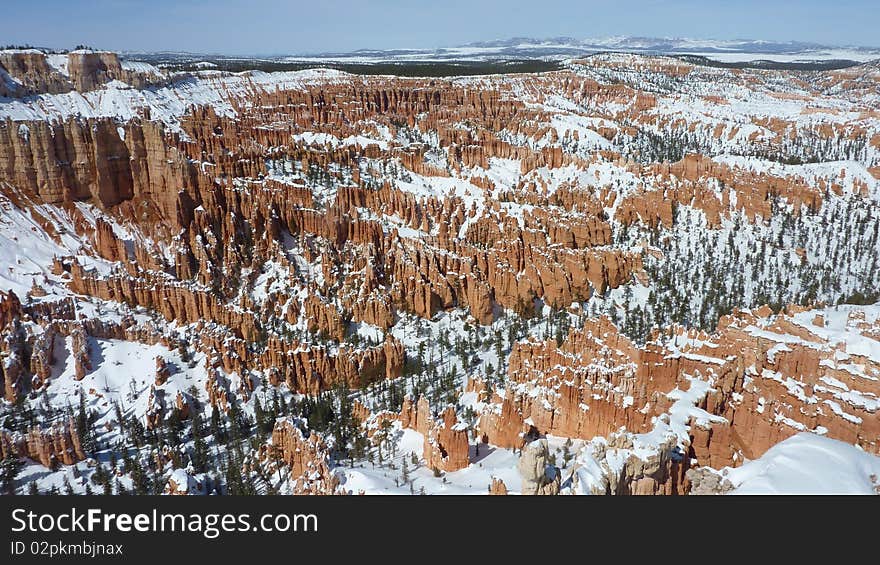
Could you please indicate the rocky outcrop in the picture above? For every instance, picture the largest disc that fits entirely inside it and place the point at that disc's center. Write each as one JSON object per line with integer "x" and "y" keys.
{"x": 30, "y": 69}
{"x": 503, "y": 426}
{"x": 90, "y": 69}
{"x": 706, "y": 481}
{"x": 306, "y": 456}
{"x": 107, "y": 244}
{"x": 313, "y": 369}
{"x": 182, "y": 483}
{"x": 662, "y": 472}
{"x": 416, "y": 415}
{"x": 175, "y": 301}
{"x": 36, "y": 72}
{"x": 163, "y": 371}
{"x": 324, "y": 319}
{"x": 64, "y": 162}
{"x": 57, "y": 445}
{"x": 497, "y": 487}
{"x": 161, "y": 404}
{"x": 538, "y": 476}
{"x": 81, "y": 351}
{"x": 12, "y": 361}
{"x": 12, "y": 347}
{"x": 446, "y": 444}
{"x": 42, "y": 357}
{"x": 762, "y": 392}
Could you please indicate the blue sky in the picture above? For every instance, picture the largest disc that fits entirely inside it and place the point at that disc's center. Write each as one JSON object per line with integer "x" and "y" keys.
{"x": 277, "y": 26}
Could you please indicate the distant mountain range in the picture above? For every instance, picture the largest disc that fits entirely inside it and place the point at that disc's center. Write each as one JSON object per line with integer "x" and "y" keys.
{"x": 659, "y": 44}
{"x": 530, "y": 52}
{"x": 557, "y": 48}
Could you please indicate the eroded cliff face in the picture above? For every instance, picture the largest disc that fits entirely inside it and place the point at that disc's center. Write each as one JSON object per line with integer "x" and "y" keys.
{"x": 176, "y": 191}
{"x": 447, "y": 443}
{"x": 12, "y": 349}
{"x": 51, "y": 447}
{"x": 34, "y": 72}
{"x": 758, "y": 380}
{"x": 178, "y": 188}
{"x": 96, "y": 160}
{"x": 31, "y": 73}
{"x": 306, "y": 456}
{"x": 316, "y": 232}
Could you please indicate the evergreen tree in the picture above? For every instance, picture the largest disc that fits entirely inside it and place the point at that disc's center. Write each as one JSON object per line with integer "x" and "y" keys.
{"x": 83, "y": 424}
{"x": 218, "y": 429}
{"x": 10, "y": 468}
{"x": 259, "y": 415}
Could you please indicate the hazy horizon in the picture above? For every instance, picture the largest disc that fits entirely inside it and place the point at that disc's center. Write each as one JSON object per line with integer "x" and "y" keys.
{"x": 275, "y": 27}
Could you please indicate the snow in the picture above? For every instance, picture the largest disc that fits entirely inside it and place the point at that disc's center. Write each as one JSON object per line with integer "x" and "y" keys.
{"x": 567, "y": 48}
{"x": 475, "y": 479}
{"x": 585, "y": 128}
{"x": 58, "y": 62}
{"x": 837, "y": 330}
{"x": 124, "y": 372}
{"x": 181, "y": 479}
{"x": 166, "y": 103}
{"x": 140, "y": 67}
{"x": 684, "y": 408}
{"x": 808, "y": 57}
{"x": 835, "y": 407}
{"x": 590, "y": 472}
{"x": 320, "y": 138}
{"x": 808, "y": 464}
{"x": 26, "y": 250}
{"x": 274, "y": 272}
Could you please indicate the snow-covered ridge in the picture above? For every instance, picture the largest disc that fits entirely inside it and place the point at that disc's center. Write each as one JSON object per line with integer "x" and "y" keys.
{"x": 808, "y": 464}
{"x": 166, "y": 103}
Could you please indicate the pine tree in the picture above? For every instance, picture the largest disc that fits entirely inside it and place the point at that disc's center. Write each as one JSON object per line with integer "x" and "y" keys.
{"x": 276, "y": 405}
{"x": 120, "y": 419}
{"x": 83, "y": 428}
{"x": 259, "y": 415}
{"x": 10, "y": 468}
{"x": 218, "y": 429}
{"x": 199, "y": 458}
{"x": 140, "y": 481}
